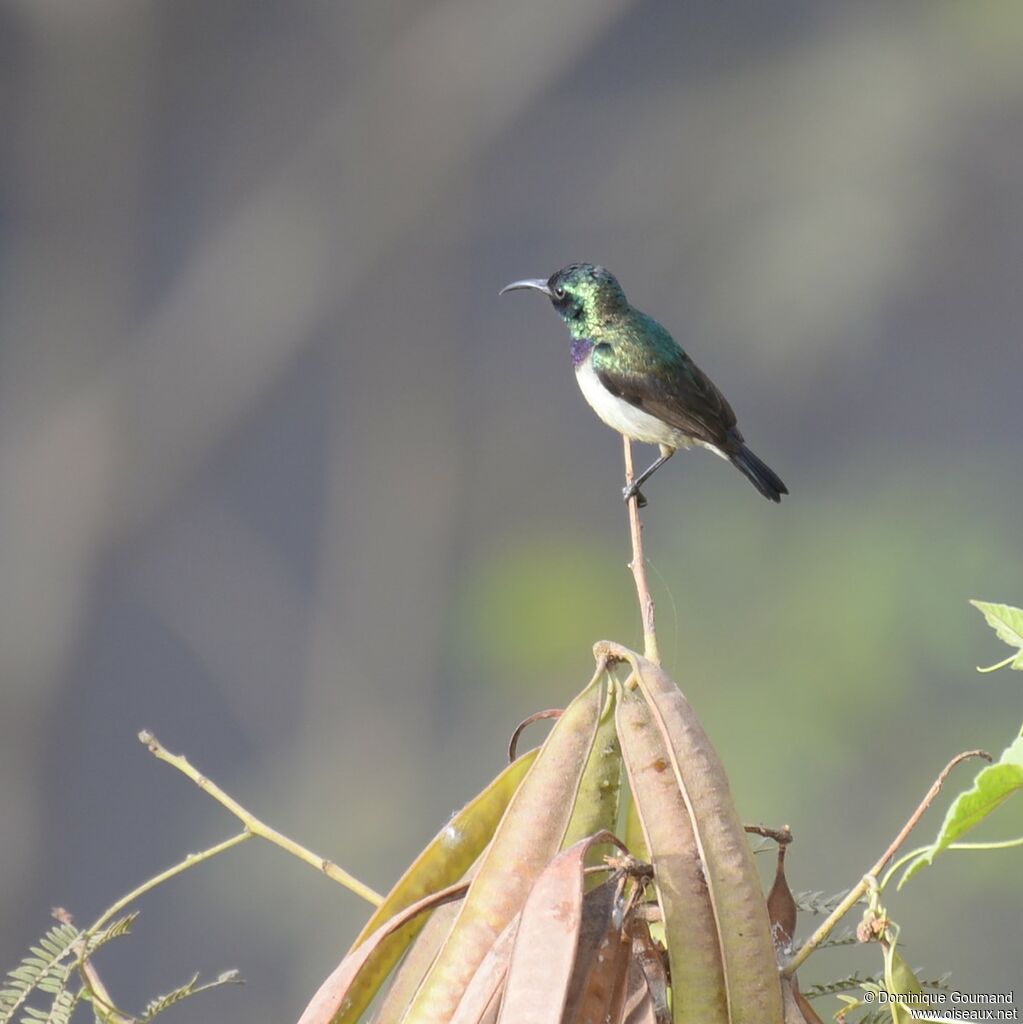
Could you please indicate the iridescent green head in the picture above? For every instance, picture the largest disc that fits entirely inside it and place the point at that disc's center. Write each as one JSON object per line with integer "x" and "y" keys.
{"x": 584, "y": 294}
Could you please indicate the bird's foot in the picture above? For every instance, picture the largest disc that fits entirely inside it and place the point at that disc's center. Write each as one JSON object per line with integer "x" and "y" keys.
{"x": 633, "y": 491}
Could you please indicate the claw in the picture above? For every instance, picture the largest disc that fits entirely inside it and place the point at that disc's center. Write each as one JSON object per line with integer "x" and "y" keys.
{"x": 634, "y": 492}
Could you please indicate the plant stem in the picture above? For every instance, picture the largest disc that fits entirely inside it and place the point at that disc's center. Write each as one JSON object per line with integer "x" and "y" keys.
{"x": 638, "y": 565}
{"x": 782, "y": 836}
{"x": 994, "y": 844}
{"x": 869, "y": 878}
{"x": 97, "y": 992}
{"x": 994, "y": 668}
{"x": 189, "y": 862}
{"x": 255, "y": 827}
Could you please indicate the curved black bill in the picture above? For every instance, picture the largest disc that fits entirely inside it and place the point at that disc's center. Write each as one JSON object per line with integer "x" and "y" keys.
{"x": 537, "y": 284}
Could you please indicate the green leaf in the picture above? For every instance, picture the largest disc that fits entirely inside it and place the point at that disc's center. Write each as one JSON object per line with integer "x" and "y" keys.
{"x": 992, "y": 786}
{"x": 59, "y": 1013}
{"x": 899, "y": 979}
{"x": 120, "y": 927}
{"x": 190, "y": 988}
{"x": 1007, "y": 622}
{"x": 43, "y": 968}
{"x": 899, "y": 976}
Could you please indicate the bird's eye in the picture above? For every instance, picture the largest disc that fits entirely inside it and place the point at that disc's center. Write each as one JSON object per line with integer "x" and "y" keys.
{"x": 559, "y": 292}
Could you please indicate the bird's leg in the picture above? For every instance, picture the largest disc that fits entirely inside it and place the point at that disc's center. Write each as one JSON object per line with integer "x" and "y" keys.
{"x": 632, "y": 491}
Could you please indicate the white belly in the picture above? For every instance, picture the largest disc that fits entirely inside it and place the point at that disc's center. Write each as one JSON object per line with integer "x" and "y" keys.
{"x": 623, "y": 417}
{"x": 627, "y": 419}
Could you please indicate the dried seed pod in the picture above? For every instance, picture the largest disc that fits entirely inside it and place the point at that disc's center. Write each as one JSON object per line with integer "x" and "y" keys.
{"x": 790, "y": 992}
{"x": 418, "y": 960}
{"x": 781, "y": 907}
{"x": 596, "y": 803}
{"x": 600, "y": 953}
{"x": 647, "y": 956}
{"x": 443, "y": 861}
{"x": 634, "y": 838}
{"x": 482, "y": 996}
{"x": 545, "y": 960}
{"x": 739, "y": 909}
{"x": 528, "y": 837}
{"x": 638, "y": 1007}
{"x": 446, "y": 858}
{"x": 694, "y": 950}
{"x": 332, "y": 995}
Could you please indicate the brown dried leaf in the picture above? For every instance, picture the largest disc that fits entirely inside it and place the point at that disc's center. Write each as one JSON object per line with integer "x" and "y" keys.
{"x": 528, "y": 837}
{"x": 781, "y": 907}
{"x": 744, "y": 931}
{"x": 483, "y": 994}
{"x": 647, "y": 955}
{"x": 442, "y": 862}
{"x": 638, "y": 1007}
{"x": 544, "y": 958}
{"x": 598, "y": 909}
{"x": 797, "y": 1007}
{"x": 493, "y": 1010}
{"x": 331, "y": 995}
{"x": 804, "y": 1004}
{"x": 418, "y": 960}
{"x": 599, "y": 983}
{"x": 693, "y": 945}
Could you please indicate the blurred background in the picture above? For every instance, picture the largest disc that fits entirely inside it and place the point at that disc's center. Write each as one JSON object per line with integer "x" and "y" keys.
{"x": 283, "y": 480}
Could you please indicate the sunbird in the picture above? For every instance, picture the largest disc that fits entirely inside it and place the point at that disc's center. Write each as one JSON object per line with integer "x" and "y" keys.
{"x": 640, "y": 381}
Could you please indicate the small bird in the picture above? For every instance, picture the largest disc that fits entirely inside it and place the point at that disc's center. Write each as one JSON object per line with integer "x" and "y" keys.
{"x": 638, "y": 379}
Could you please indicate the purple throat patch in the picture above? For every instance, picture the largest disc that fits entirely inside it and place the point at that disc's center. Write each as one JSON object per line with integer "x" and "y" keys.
{"x": 581, "y": 348}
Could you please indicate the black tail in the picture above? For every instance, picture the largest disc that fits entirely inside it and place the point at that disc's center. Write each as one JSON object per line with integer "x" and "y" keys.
{"x": 759, "y": 473}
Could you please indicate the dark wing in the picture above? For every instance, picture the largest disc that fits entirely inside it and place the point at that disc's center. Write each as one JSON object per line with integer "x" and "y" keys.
{"x": 667, "y": 384}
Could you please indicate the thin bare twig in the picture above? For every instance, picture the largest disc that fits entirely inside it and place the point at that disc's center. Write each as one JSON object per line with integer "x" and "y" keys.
{"x": 924, "y": 804}
{"x": 255, "y": 827}
{"x": 99, "y": 995}
{"x": 638, "y": 564}
{"x": 183, "y": 865}
{"x": 864, "y": 884}
{"x": 782, "y": 836}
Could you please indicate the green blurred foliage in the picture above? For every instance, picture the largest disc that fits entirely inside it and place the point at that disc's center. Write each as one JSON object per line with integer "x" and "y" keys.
{"x": 534, "y": 607}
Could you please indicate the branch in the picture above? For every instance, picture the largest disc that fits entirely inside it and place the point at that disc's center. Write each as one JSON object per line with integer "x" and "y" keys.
{"x": 782, "y": 836}
{"x": 183, "y": 865}
{"x": 93, "y": 987}
{"x": 253, "y": 826}
{"x": 638, "y": 564}
{"x": 869, "y": 878}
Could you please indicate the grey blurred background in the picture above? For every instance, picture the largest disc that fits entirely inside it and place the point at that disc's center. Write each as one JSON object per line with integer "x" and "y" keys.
{"x": 284, "y": 481}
